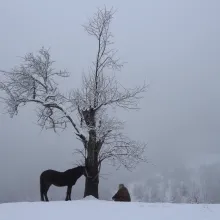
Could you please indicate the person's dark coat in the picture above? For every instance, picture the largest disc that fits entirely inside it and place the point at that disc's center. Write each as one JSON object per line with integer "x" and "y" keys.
{"x": 122, "y": 195}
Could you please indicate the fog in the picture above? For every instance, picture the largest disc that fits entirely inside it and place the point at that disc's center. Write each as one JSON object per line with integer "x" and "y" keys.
{"x": 173, "y": 45}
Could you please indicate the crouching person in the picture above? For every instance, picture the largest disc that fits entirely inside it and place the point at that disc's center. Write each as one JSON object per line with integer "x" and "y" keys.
{"x": 122, "y": 195}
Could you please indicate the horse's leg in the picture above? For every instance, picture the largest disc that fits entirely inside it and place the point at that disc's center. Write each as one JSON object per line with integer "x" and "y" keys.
{"x": 47, "y": 186}
{"x": 41, "y": 193}
{"x": 42, "y": 197}
{"x": 70, "y": 190}
{"x": 41, "y": 188}
{"x": 46, "y": 198}
{"x": 68, "y": 193}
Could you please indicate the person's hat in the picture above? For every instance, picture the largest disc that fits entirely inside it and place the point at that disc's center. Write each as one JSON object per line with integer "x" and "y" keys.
{"x": 121, "y": 185}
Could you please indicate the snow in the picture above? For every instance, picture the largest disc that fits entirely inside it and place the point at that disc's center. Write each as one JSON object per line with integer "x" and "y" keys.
{"x": 90, "y": 198}
{"x": 107, "y": 210}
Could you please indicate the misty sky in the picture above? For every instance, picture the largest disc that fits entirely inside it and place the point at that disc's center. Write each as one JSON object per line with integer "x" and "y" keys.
{"x": 174, "y": 45}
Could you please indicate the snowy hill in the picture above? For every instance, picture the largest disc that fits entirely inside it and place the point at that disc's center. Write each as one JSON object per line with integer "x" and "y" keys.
{"x": 106, "y": 210}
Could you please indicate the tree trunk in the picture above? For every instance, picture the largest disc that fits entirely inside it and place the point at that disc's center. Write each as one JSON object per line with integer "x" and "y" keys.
{"x": 92, "y": 183}
{"x": 91, "y": 162}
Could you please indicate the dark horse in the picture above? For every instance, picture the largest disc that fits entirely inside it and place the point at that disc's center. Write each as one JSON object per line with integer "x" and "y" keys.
{"x": 67, "y": 178}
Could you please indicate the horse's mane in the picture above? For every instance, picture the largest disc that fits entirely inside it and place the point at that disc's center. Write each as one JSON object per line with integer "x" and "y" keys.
{"x": 77, "y": 168}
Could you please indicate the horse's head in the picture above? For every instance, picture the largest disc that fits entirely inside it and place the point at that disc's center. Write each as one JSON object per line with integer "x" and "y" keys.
{"x": 84, "y": 170}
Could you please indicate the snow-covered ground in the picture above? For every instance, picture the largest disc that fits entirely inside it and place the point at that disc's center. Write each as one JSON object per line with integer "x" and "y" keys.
{"x": 90, "y": 208}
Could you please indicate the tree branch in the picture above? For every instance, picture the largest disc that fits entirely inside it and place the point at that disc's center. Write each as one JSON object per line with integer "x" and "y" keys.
{"x": 34, "y": 82}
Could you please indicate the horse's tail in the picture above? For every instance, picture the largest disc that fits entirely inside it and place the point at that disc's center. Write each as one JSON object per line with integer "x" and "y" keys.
{"x": 41, "y": 188}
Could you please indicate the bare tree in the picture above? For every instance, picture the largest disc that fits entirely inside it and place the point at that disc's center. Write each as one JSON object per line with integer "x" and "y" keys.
{"x": 101, "y": 134}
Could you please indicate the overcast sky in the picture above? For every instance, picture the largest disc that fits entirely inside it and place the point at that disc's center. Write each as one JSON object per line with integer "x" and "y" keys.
{"x": 174, "y": 45}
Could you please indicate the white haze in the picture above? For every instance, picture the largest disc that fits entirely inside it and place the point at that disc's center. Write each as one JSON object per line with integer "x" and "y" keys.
{"x": 174, "y": 45}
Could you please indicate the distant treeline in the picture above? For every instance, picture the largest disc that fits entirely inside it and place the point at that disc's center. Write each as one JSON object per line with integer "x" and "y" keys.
{"x": 181, "y": 186}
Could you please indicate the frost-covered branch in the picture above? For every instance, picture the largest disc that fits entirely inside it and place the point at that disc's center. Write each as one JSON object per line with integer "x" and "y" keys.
{"x": 34, "y": 81}
{"x": 101, "y": 91}
{"x": 123, "y": 151}
{"x": 100, "y": 88}
{"x": 109, "y": 93}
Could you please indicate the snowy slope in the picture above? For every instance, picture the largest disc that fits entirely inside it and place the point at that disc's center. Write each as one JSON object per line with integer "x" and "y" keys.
{"x": 106, "y": 210}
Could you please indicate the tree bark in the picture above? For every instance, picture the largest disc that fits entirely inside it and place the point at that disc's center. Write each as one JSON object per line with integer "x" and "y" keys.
{"x": 92, "y": 183}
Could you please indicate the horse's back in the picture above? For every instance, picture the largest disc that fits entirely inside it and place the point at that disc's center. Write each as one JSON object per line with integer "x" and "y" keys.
{"x": 48, "y": 172}
{"x": 53, "y": 177}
